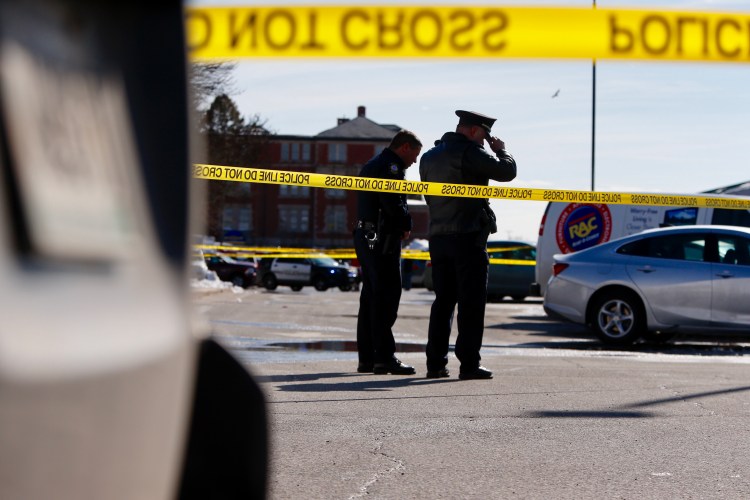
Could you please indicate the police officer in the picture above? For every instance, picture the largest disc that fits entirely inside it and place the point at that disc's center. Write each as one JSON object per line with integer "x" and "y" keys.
{"x": 459, "y": 228}
{"x": 383, "y": 220}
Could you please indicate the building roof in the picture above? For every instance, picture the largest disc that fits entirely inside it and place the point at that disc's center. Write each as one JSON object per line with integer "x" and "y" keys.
{"x": 741, "y": 189}
{"x": 360, "y": 127}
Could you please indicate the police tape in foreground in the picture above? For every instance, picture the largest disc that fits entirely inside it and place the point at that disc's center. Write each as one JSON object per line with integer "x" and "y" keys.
{"x": 465, "y": 31}
{"x": 330, "y": 181}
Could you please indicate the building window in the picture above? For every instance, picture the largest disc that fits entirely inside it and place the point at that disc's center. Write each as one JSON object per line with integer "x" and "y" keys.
{"x": 244, "y": 219}
{"x": 237, "y": 218}
{"x": 295, "y": 151}
{"x": 297, "y": 192}
{"x": 335, "y": 219}
{"x": 294, "y": 218}
{"x": 335, "y": 194}
{"x": 337, "y": 153}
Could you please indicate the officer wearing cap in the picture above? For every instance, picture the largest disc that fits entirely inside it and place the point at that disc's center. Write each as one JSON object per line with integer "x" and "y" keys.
{"x": 383, "y": 220}
{"x": 459, "y": 228}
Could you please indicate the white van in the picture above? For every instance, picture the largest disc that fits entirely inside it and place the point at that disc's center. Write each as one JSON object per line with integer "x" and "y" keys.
{"x": 570, "y": 227}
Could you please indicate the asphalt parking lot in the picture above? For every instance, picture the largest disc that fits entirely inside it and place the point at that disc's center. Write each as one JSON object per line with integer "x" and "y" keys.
{"x": 563, "y": 417}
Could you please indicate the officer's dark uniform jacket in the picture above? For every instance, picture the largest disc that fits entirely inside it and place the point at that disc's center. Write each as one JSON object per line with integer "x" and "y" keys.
{"x": 457, "y": 160}
{"x": 388, "y": 212}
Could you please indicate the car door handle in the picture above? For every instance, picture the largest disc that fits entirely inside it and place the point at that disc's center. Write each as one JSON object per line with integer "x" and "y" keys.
{"x": 647, "y": 269}
{"x": 725, "y": 274}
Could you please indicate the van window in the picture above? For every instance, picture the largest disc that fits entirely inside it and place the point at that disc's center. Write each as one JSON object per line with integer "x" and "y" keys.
{"x": 680, "y": 217}
{"x": 725, "y": 217}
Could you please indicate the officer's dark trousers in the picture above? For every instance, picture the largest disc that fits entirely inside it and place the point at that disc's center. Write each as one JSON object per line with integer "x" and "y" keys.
{"x": 378, "y": 301}
{"x": 459, "y": 275}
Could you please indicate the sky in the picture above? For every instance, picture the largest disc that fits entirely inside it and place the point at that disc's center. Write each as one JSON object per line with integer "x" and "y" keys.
{"x": 660, "y": 127}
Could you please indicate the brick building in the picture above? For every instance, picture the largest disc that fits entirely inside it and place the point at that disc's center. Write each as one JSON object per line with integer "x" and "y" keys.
{"x": 280, "y": 215}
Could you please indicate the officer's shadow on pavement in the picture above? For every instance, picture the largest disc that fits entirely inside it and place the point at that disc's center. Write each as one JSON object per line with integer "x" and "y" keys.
{"x": 632, "y": 410}
{"x": 363, "y": 383}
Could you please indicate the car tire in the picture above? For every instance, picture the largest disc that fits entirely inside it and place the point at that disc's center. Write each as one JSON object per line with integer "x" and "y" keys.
{"x": 296, "y": 288}
{"x": 518, "y": 298}
{"x": 617, "y": 318}
{"x": 345, "y": 288}
{"x": 270, "y": 281}
{"x": 238, "y": 281}
{"x": 320, "y": 284}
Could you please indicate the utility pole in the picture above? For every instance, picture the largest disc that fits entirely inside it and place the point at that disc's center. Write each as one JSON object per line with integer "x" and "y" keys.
{"x": 593, "y": 115}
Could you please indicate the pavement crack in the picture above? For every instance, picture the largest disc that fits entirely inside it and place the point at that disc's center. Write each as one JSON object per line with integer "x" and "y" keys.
{"x": 398, "y": 466}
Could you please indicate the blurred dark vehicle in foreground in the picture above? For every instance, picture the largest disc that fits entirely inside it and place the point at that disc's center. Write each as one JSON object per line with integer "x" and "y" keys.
{"x": 109, "y": 388}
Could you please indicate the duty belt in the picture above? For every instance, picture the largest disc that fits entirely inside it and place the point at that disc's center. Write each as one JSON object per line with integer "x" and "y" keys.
{"x": 368, "y": 226}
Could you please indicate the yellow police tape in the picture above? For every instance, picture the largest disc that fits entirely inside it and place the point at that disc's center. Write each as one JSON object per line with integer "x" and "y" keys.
{"x": 461, "y": 31}
{"x": 336, "y": 253}
{"x": 265, "y": 176}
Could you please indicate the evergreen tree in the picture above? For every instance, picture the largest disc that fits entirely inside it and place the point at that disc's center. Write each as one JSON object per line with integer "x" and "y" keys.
{"x": 223, "y": 117}
{"x": 234, "y": 141}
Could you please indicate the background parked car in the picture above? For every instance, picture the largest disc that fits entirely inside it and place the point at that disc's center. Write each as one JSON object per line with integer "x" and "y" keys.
{"x": 236, "y": 271}
{"x": 412, "y": 270}
{"x": 322, "y": 272}
{"x": 505, "y": 279}
{"x": 652, "y": 284}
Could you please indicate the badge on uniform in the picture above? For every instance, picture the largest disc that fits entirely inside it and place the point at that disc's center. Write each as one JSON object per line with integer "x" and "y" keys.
{"x": 394, "y": 169}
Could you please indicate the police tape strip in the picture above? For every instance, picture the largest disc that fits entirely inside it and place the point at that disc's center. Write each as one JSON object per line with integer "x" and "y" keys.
{"x": 330, "y": 181}
{"x": 336, "y": 253}
{"x": 266, "y": 251}
{"x": 460, "y": 31}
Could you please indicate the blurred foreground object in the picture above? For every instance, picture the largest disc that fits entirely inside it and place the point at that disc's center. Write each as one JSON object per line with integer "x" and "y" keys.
{"x": 109, "y": 388}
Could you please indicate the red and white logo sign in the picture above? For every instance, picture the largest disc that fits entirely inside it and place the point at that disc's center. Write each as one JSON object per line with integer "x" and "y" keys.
{"x": 583, "y": 226}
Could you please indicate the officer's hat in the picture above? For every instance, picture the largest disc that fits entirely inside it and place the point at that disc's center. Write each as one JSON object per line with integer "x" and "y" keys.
{"x": 475, "y": 119}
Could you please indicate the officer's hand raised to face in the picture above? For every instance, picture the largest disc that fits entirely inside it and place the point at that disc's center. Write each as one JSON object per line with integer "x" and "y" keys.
{"x": 495, "y": 143}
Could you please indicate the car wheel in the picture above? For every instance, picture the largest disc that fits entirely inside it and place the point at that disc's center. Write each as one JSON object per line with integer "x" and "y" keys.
{"x": 296, "y": 288}
{"x": 320, "y": 284}
{"x": 345, "y": 288}
{"x": 270, "y": 281}
{"x": 618, "y": 318}
{"x": 238, "y": 281}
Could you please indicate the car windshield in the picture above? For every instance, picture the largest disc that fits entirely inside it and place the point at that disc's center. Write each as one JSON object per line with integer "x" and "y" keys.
{"x": 225, "y": 257}
{"x": 510, "y": 250}
{"x": 324, "y": 261}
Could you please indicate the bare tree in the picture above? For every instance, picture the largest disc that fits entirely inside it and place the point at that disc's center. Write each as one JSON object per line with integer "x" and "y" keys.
{"x": 209, "y": 80}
